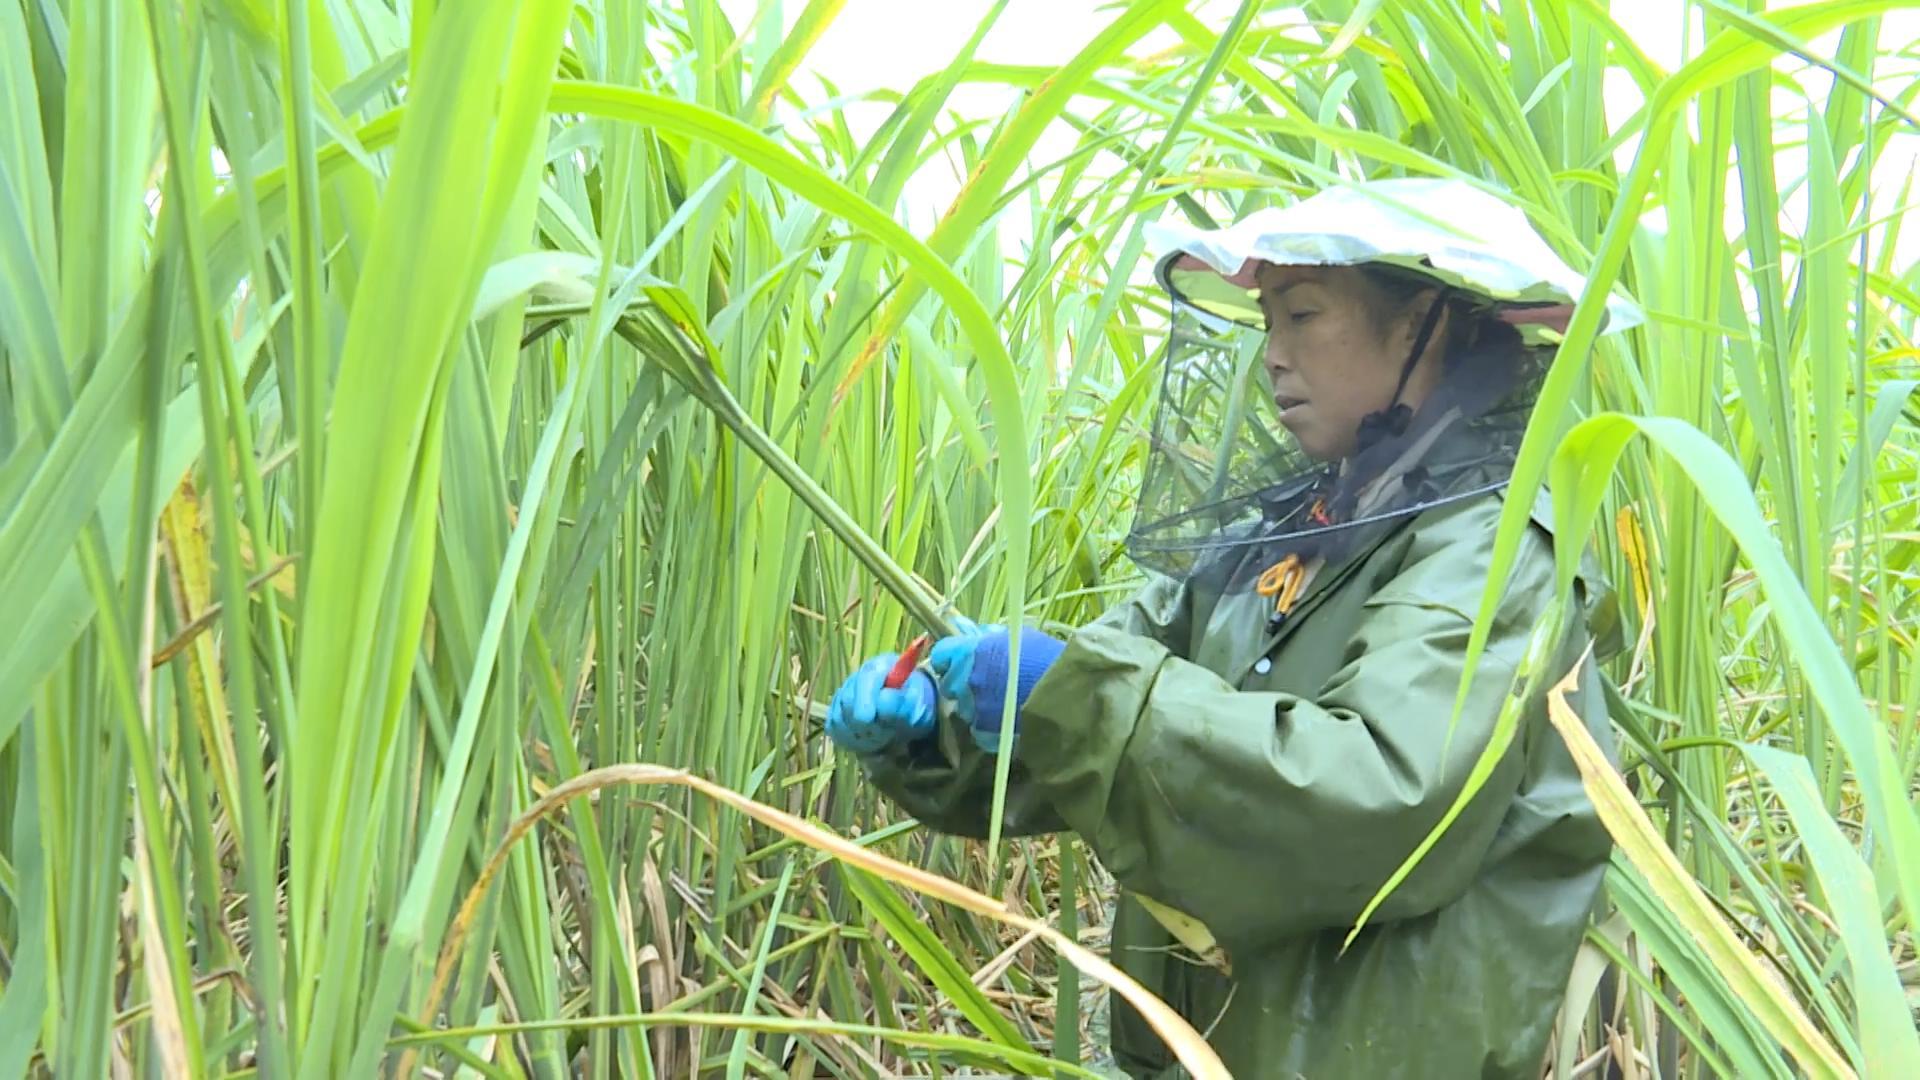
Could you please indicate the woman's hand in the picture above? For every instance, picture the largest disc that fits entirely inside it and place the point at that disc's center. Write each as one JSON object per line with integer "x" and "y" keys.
{"x": 866, "y": 717}
{"x": 972, "y": 669}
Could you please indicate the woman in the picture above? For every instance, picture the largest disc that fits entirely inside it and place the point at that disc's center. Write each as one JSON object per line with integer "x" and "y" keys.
{"x": 1254, "y": 743}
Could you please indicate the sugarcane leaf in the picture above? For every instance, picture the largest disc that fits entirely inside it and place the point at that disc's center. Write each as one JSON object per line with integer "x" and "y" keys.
{"x": 1889, "y": 1042}
{"x": 1746, "y": 994}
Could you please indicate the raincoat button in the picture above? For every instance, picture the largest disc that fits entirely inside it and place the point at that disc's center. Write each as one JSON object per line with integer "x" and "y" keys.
{"x": 1262, "y": 666}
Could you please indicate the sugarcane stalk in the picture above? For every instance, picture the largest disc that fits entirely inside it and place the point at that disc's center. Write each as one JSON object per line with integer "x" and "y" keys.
{"x": 699, "y": 380}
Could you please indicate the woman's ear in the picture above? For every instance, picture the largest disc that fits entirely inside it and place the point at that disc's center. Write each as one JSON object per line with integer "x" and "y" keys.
{"x": 1427, "y": 369}
{"x": 1415, "y": 317}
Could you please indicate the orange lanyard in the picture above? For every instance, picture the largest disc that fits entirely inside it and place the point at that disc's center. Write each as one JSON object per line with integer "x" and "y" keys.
{"x": 1283, "y": 581}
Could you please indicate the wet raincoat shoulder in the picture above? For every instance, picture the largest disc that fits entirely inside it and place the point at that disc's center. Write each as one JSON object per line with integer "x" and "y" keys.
{"x": 1267, "y": 784}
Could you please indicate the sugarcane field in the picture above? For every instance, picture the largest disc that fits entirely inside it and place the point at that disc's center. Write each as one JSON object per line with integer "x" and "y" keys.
{"x": 1102, "y": 539}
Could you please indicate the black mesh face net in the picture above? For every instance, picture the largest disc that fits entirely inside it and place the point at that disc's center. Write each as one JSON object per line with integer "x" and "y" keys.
{"x": 1227, "y": 492}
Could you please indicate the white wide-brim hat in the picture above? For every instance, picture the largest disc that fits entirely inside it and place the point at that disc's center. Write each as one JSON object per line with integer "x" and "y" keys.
{"x": 1449, "y": 230}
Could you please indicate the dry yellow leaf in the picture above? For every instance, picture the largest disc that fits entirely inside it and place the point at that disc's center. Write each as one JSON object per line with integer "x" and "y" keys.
{"x": 1186, "y": 1043}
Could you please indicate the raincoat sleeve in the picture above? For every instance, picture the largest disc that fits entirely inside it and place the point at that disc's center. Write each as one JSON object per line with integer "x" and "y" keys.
{"x": 948, "y": 783}
{"x": 1266, "y": 815}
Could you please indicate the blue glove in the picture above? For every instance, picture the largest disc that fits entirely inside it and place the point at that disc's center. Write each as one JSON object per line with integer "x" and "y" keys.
{"x": 867, "y": 718}
{"x": 972, "y": 669}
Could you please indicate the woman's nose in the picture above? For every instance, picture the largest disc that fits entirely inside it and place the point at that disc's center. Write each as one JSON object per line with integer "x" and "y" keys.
{"x": 1275, "y": 355}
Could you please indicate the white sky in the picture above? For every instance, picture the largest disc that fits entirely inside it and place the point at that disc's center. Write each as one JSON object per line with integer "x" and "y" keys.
{"x": 891, "y": 44}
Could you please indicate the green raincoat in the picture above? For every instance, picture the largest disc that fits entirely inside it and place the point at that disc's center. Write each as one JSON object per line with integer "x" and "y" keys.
{"x": 1267, "y": 785}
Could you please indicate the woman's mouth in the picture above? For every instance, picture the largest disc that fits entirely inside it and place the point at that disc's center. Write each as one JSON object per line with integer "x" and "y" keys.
{"x": 1287, "y": 404}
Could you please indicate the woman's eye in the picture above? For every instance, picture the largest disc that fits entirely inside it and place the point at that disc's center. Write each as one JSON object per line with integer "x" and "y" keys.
{"x": 1301, "y": 316}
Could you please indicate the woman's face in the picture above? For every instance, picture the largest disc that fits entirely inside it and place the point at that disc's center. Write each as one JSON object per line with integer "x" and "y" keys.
{"x": 1331, "y": 360}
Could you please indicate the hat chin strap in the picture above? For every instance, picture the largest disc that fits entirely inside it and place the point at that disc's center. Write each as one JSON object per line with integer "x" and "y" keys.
{"x": 1392, "y": 421}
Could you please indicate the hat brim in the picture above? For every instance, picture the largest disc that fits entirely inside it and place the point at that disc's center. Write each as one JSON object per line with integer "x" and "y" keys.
{"x": 1235, "y": 297}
